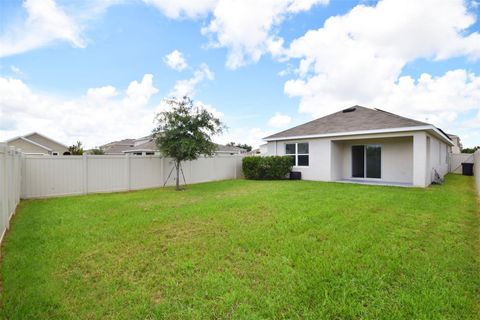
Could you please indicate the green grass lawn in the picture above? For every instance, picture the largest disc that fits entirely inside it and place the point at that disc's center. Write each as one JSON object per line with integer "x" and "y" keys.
{"x": 247, "y": 249}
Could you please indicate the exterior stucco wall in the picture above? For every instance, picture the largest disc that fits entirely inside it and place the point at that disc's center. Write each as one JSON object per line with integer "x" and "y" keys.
{"x": 319, "y": 158}
{"x": 437, "y": 158}
{"x": 56, "y": 147}
{"x": 337, "y": 160}
{"x": 27, "y": 147}
{"x": 397, "y": 158}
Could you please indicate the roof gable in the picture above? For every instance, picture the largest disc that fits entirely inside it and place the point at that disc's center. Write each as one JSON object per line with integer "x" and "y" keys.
{"x": 356, "y": 118}
{"x": 45, "y": 141}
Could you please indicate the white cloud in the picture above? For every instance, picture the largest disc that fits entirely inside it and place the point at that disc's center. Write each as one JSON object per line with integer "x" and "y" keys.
{"x": 140, "y": 93}
{"x": 17, "y": 71}
{"x": 358, "y": 58}
{"x": 175, "y": 60}
{"x": 279, "y": 120}
{"x": 45, "y": 22}
{"x": 183, "y": 8}
{"x": 251, "y": 136}
{"x": 187, "y": 87}
{"x": 246, "y": 27}
{"x": 101, "y": 115}
{"x": 101, "y": 93}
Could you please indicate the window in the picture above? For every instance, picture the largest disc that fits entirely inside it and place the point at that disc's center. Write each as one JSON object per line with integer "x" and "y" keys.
{"x": 54, "y": 153}
{"x": 367, "y": 161}
{"x": 149, "y": 153}
{"x": 299, "y": 153}
{"x": 137, "y": 153}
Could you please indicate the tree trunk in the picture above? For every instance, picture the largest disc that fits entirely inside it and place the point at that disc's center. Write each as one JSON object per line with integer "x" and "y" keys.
{"x": 177, "y": 164}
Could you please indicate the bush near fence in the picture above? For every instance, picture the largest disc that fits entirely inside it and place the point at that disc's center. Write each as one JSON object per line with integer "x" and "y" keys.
{"x": 266, "y": 168}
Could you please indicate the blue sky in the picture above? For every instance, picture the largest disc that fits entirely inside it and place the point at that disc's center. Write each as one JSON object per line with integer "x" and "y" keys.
{"x": 97, "y": 71}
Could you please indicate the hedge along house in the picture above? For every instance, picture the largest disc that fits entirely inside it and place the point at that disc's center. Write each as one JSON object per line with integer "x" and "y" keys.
{"x": 365, "y": 145}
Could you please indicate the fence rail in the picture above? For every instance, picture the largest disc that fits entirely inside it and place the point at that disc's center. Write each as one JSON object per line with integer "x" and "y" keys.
{"x": 10, "y": 181}
{"x": 47, "y": 176}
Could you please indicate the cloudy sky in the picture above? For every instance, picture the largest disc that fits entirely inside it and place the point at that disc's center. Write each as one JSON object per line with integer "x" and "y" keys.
{"x": 97, "y": 71}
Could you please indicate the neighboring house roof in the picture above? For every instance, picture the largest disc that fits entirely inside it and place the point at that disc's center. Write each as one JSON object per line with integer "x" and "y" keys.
{"x": 29, "y": 141}
{"x": 224, "y": 148}
{"x": 31, "y": 136}
{"x": 148, "y": 146}
{"x": 40, "y": 140}
{"x": 131, "y": 145}
{"x": 117, "y": 147}
{"x": 356, "y": 118}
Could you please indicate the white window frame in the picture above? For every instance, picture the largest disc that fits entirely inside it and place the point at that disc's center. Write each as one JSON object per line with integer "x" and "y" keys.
{"x": 296, "y": 154}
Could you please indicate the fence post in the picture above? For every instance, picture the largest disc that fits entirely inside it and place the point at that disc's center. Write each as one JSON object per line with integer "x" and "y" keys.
{"x": 23, "y": 175}
{"x": 162, "y": 174}
{"x": 127, "y": 171}
{"x": 11, "y": 182}
{"x": 3, "y": 183}
{"x": 235, "y": 166}
{"x": 85, "y": 173}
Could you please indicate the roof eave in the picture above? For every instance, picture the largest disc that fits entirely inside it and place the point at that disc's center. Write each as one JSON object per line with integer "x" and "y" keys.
{"x": 361, "y": 132}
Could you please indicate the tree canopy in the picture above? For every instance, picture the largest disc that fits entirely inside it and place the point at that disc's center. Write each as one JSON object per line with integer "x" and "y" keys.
{"x": 76, "y": 149}
{"x": 184, "y": 132}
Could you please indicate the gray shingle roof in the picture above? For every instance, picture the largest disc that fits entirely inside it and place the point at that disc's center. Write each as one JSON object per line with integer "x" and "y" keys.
{"x": 225, "y": 148}
{"x": 358, "y": 119}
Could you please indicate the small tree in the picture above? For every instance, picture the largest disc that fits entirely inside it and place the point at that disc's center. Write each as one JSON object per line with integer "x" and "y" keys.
{"x": 76, "y": 149}
{"x": 184, "y": 133}
{"x": 97, "y": 151}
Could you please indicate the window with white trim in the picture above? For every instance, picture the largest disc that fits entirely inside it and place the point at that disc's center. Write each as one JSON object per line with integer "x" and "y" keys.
{"x": 299, "y": 153}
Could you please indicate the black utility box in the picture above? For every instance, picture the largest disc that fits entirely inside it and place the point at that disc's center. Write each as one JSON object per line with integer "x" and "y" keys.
{"x": 295, "y": 175}
{"x": 467, "y": 169}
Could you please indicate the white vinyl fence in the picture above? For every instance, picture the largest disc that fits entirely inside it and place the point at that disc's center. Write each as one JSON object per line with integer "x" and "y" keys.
{"x": 47, "y": 176}
{"x": 456, "y": 160}
{"x": 10, "y": 180}
{"x": 476, "y": 169}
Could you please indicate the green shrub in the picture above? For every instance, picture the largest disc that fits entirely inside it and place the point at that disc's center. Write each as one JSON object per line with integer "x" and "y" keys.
{"x": 266, "y": 168}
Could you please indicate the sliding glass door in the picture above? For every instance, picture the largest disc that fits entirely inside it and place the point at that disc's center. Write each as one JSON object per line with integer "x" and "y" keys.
{"x": 358, "y": 161}
{"x": 367, "y": 161}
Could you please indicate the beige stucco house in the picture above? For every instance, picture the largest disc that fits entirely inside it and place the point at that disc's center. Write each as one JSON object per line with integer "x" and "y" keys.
{"x": 365, "y": 145}
{"x": 36, "y": 143}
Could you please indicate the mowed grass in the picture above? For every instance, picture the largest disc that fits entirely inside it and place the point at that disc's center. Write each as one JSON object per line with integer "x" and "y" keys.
{"x": 247, "y": 250}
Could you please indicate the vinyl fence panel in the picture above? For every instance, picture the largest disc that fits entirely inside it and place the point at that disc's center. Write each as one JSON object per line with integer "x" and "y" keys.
{"x": 10, "y": 184}
{"x": 52, "y": 176}
{"x": 456, "y": 160}
{"x": 146, "y": 172}
{"x": 47, "y": 176}
{"x": 107, "y": 173}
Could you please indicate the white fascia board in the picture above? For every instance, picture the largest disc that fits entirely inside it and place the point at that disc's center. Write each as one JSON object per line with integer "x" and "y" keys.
{"x": 363, "y": 132}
